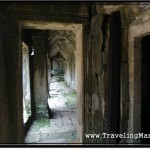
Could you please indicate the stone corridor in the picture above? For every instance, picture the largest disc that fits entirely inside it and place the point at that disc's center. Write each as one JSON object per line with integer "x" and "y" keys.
{"x": 61, "y": 128}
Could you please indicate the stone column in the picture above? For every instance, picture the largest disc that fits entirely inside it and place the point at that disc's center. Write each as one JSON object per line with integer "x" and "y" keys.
{"x": 48, "y": 72}
{"x": 40, "y": 76}
{"x": 13, "y": 72}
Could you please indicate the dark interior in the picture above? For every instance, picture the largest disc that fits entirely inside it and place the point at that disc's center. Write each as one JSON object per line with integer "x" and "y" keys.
{"x": 145, "y": 86}
{"x": 114, "y": 79}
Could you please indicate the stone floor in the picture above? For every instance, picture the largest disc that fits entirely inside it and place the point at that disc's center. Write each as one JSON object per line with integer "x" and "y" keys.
{"x": 61, "y": 128}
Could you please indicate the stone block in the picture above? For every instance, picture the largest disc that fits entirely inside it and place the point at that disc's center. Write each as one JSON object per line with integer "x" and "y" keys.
{"x": 64, "y": 113}
{"x": 56, "y": 122}
{"x": 45, "y": 136}
{"x": 56, "y": 114}
{"x": 32, "y": 138}
{"x": 60, "y": 104}
{"x": 66, "y": 120}
{"x": 73, "y": 117}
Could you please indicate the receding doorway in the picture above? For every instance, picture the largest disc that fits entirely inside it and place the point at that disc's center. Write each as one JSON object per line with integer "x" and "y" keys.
{"x": 78, "y": 73}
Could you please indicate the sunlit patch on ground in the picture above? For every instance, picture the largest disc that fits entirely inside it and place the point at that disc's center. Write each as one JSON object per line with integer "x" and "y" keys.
{"x": 61, "y": 128}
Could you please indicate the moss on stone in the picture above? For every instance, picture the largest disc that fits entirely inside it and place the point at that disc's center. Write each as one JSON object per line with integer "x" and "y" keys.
{"x": 42, "y": 122}
{"x": 71, "y": 102}
{"x": 72, "y": 94}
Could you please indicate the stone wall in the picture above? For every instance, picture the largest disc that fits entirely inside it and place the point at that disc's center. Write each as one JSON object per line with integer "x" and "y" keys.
{"x": 11, "y": 103}
{"x": 70, "y": 71}
{"x": 96, "y": 104}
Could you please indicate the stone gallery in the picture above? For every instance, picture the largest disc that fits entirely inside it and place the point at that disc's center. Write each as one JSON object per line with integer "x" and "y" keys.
{"x": 74, "y": 73}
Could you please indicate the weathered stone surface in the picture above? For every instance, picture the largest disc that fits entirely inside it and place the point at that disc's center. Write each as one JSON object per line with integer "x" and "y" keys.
{"x": 32, "y": 138}
{"x": 66, "y": 120}
{"x": 56, "y": 122}
{"x": 86, "y": 72}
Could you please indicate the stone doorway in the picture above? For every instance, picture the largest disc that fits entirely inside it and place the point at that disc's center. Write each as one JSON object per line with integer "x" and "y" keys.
{"x": 138, "y": 35}
{"x": 77, "y": 84}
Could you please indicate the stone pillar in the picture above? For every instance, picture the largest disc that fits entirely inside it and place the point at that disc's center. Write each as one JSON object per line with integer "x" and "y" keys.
{"x": 48, "y": 72}
{"x": 124, "y": 85}
{"x": 79, "y": 67}
{"x": 73, "y": 71}
{"x": 40, "y": 76}
{"x": 13, "y": 55}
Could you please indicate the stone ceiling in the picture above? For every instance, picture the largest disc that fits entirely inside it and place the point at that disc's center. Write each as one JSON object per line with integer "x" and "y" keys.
{"x": 61, "y": 41}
